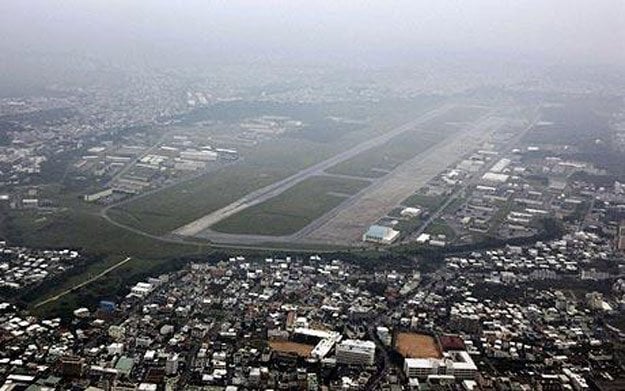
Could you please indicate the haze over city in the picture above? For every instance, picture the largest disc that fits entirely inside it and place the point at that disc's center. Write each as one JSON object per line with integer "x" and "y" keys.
{"x": 579, "y": 31}
{"x": 312, "y": 195}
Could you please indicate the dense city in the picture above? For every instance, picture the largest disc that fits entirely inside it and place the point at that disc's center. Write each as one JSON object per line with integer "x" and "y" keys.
{"x": 516, "y": 317}
{"x": 322, "y": 196}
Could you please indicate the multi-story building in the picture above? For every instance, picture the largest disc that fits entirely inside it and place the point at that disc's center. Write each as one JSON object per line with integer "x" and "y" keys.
{"x": 455, "y": 363}
{"x": 355, "y": 352}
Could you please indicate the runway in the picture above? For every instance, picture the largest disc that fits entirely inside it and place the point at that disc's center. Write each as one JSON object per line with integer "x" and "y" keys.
{"x": 270, "y": 191}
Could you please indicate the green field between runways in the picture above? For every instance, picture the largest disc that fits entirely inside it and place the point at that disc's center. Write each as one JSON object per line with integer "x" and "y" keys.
{"x": 378, "y": 161}
{"x": 292, "y": 210}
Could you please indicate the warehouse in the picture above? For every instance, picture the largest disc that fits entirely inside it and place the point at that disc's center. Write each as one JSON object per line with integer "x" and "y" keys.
{"x": 495, "y": 177}
{"x": 380, "y": 234}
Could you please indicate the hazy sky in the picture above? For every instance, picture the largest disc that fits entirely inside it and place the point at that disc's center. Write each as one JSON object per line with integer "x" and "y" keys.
{"x": 590, "y": 31}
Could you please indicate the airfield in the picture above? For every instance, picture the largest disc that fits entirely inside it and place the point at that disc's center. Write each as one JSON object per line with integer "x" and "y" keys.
{"x": 330, "y": 201}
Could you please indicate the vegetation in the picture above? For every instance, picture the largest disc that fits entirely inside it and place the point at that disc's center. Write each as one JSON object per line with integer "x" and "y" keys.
{"x": 112, "y": 286}
{"x": 409, "y": 225}
{"x": 173, "y": 207}
{"x": 431, "y": 203}
{"x": 292, "y": 210}
{"x": 440, "y": 227}
{"x": 377, "y": 161}
{"x": 116, "y": 284}
{"x": 89, "y": 232}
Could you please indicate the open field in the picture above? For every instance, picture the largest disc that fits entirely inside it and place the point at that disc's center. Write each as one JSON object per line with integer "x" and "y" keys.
{"x": 440, "y": 227}
{"x": 424, "y": 201}
{"x": 161, "y": 212}
{"x": 293, "y": 209}
{"x": 302, "y": 350}
{"x": 165, "y": 210}
{"x": 95, "y": 237}
{"x": 87, "y": 231}
{"x": 83, "y": 283}
{"x": 412, "y": 345}
{"x": 378, "y": 161}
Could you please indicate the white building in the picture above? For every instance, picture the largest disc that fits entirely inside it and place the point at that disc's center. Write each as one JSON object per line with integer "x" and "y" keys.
{"x": 410, "y": 212}
{"x": 457, "y": 363}
{"x": 142, "y": 289}
{"x": 96, "y": 196}
{"x": 355, "y": 352}
{"x": 385, "y": 335}
{"x": 171, "y": 365}
{"x": 424, "y": 238}
{"x": 495, "y": 177}
{"x": 500, "y": 165}
{"x": 380, "y": 234}
{"x": 203, "y": 155}
{"x": 325, "y": 345}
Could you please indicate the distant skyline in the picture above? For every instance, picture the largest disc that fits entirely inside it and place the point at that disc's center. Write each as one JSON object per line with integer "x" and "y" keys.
{"x": 579, "y": 31}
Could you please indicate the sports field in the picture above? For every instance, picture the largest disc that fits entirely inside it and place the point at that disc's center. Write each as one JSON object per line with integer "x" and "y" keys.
{"x": 412, "y": 345}
{"x": 300, "y": 349}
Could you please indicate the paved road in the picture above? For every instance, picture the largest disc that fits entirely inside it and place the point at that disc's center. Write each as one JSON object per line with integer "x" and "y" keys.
{"x": 264, "y": 243}
{"x": 270, "y": 191}
{"x": 82, "y": 284}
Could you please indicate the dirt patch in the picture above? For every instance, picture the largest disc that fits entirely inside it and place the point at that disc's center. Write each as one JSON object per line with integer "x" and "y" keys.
{"x": 411, "y": 345}
{"x": 302, "y": 350}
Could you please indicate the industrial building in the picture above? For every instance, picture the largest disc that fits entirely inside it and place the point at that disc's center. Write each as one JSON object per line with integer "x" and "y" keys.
{"x": 380, "y": 234}
{"x": 99, "y": 195}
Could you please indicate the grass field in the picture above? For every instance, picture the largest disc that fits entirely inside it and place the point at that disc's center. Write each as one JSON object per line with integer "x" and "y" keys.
{"x": 421, "y": 200}
{"x": 173, "y": 207}
{"x": 88, "y": 231}
{"x": 377, "y": 161}
{"x": 79, "y": 225}
{"x": 460, "y": 114}
{"x": 292, "y": 210}
{"x": 440, "y": 227}
{"x": 166, "y": 210}
{"x": 93, "y": 236}
{"x": 110, "y": 286}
